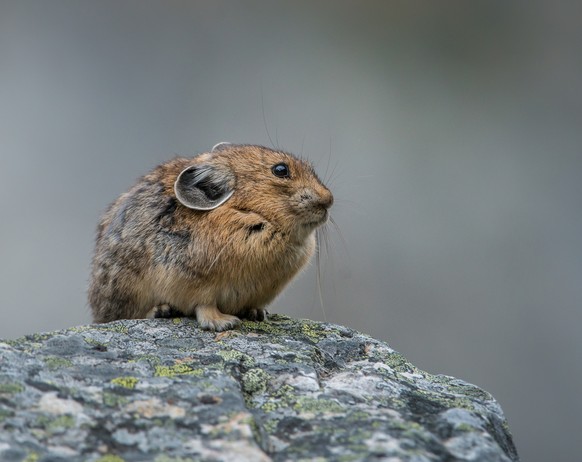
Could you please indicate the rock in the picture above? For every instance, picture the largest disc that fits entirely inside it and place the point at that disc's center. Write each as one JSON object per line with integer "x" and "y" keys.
{"x": 165, "y": 391}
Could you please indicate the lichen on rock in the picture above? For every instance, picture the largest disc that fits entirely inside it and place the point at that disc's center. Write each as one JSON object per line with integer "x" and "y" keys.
{"x": 284, "y": 389}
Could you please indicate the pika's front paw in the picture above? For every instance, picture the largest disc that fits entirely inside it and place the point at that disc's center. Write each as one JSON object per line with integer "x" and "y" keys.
{"x": 254, "y": 314}
{"x": 164, "y": 311}
{"x": 210, "y": 318}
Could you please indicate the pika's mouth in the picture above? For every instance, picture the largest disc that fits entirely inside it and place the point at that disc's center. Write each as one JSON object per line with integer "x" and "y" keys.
{"x": 314, "y": 223}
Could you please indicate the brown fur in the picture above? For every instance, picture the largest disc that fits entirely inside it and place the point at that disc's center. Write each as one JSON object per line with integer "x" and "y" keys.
{"x": 219, "y": 264}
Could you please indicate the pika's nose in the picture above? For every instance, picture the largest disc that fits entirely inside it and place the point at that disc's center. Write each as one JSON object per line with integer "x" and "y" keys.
{"x": 325, "y": 198}
{"x": 318, "y": 197}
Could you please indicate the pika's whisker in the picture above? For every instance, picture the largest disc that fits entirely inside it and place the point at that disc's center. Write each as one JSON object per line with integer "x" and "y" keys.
{"x": 340, "y": 235}
{"x": 318, "y": 272}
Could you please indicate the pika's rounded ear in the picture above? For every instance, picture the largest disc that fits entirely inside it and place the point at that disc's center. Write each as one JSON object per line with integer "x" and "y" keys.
{"x": 204, "y": 187}
{"x": 220, "y": 146}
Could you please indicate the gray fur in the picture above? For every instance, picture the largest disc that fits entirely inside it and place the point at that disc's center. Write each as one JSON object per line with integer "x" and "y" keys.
{"x": 126, "y": 232}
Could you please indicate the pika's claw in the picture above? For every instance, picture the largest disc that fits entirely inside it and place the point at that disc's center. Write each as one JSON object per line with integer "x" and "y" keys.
{"x": 210, "y": 318}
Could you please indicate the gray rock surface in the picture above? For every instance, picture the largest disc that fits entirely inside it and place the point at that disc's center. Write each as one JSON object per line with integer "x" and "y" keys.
{"x": 165, "y": 391}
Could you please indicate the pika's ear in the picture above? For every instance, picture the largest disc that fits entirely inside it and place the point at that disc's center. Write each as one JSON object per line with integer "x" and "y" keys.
{"x": 204, "y": 187}
{"x": 220, "y": 146}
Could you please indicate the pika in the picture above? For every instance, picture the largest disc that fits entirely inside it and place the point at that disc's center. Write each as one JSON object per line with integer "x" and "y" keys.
{"x": 217, "y": 236}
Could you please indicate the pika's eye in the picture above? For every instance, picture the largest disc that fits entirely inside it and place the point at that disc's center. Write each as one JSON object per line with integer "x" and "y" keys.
{"x": 281, "y": 170}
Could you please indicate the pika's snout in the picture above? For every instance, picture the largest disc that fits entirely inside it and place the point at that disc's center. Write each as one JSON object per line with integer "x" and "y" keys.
{"x": 325, "y": 199}
{"x": 313, "y": 205}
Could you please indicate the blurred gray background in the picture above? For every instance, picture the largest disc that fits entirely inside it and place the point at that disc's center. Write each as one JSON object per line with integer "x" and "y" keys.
{"x": 451, "y": 131}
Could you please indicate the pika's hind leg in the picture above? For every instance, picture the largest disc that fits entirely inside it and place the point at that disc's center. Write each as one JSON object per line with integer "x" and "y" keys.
{"x": 211, "y": 318}
{"x": 164, "y": 311}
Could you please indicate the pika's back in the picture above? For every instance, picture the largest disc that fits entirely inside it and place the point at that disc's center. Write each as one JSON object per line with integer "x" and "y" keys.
{"x": 220, "y": 233}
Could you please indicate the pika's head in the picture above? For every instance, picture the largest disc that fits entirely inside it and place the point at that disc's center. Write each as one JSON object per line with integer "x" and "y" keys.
{"x": 276, "y": 185}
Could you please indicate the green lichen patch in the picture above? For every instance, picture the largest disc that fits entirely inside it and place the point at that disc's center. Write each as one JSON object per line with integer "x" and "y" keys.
{"x": 465, "y": 427}
{"x": 404, "y": 425}
{"x": 37, "y": 337}
{"x": 10, "y": 388}
{"x": 280, "y": 325}
{"x": 255, "y": 381}
{"x": 117, "y": 327}
{"x": 113, "y": 399}
{"x": 165, "y": 458}
{"x": 5, "y": 413}
{"x": 95, "y": 343}
{"x": 32, "y": 457}
{"x": 56, "y": 362}
{"x": 270, "y": 406}
{"x": 266, "y": 327}
{"x": 81, "y": 329}
{"x": 282, "y": 397}
{"x": 176, "y": 370}
{"x": 453, "y": 385}
{"x": 430, "y": 401}
{"x": 358, "y": 416}
{"x": 125, "y": 382}
{"x": 399, "y": 363}
{"x": 236, "y": 356}
{"x": 286, "y": 394}
{"x": 314, "y": 331}
{"x": 55, "y": 425}
{"x": 270, "y": 425}
{"x": 318, "y": 405}
{"x": 110, "y": 458}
